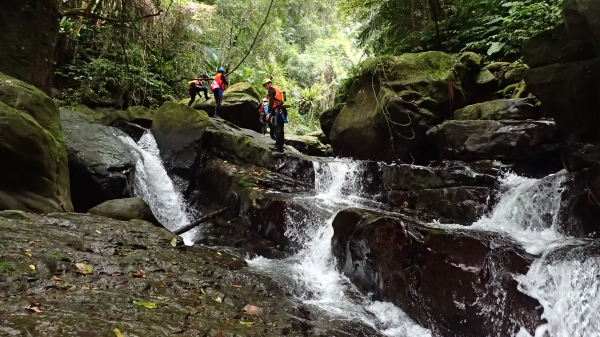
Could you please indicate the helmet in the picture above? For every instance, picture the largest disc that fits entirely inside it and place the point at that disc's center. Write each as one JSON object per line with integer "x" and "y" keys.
{"x": 267, "y": 80}
{"x": 264, "y": 99}
{"x": 221, "y": 69}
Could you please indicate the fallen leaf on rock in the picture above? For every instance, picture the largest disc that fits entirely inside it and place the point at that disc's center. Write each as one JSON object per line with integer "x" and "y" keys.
{"x": 32, "y": 267}
{"x": 248, "y": 324}
{"x": 149, "y": 305}
{"x": 34, "y": 308}
{"x": 83, "y": 269}
{"x": 174, "y": 242}
{"x": 85, "y": 287}
{"x": 219, "y": 299}
{"x": 70, "y": 254}
{"x": 236, "y": 285}
{"x": 55, "y": 278}
{"x": 253, "y": 310}
{"x": 118, "y": 333}
{"x": 139, "y": 273}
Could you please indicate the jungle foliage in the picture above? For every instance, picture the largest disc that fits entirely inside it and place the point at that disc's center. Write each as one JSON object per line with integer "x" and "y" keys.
{"x": 496, "y": 28}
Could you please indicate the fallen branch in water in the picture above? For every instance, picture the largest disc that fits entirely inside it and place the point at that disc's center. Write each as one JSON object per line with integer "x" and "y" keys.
{"x": 200, "y": 221}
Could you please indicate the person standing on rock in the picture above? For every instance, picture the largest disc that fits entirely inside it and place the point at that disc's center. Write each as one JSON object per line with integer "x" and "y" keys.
{"x": 263, "y": 110}
{"x": 275, "y": 113}
{"x": 217, "y": 87}
{"x": 196, "y": 87}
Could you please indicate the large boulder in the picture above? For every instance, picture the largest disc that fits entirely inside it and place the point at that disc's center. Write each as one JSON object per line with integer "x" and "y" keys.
{"x": 134, "y": 121}
{"x": 328, "y": 117}
{"x": 455, "y": 282}
{"x": 34, "y": 175}
{"x": 569, "y": 93}
{"x": 519, "y": 109}
{"x": 239, "y": 106}
{"x": 412, "y": 177}
{"x": 178, "y": 130}
{"x": 29, "y": 34}
{"x": 511, "y": 141}
{"x": 100, "y": 164}
{"x": 464, "y": 204}
{"x": 125, "y": 209}
{"x": 309, "y": 145}
{"x": 392, "y": 103}
{"x": 565, "y": 70}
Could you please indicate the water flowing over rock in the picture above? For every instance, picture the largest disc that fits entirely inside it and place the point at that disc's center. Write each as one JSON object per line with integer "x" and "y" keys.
{"x": 457, "y": 283}
{"x": 33, "y": 168}
{"x": 100, "y": 164}
{"x": 392, "y": 103}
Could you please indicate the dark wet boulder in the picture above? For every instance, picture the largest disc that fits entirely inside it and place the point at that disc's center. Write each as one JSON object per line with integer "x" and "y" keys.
{"x": 101, "y": 165}
{"x": 392, "y": 103}
{"x": 29, "y": 34}
{"x": 515, "y": 109}
{"x": 34, "y": 175}
{"x": 412, "y": 177}
{"x": 258, "y": 197}
{"x": 569, "y": 94}
{"x": 464, "y": 204}
{"x": 328, "y": 116}
{"x": 455, "y": 282}
{"x": 578, "y": 156}
{"x": 239, "y": 106}
{"x": 511, "y": 141}
{"x": 554, "y": 46}
{"x": 125, "y": 209}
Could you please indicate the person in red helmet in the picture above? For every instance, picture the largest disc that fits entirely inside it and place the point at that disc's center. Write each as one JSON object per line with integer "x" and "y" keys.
{"x": 218, "y": 86}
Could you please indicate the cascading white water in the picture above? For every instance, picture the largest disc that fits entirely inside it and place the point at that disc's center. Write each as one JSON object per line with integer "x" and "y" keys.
{"x": 153, "y": 185}
{"x": 312, "y": 272}
{"x": 564, "y": 279}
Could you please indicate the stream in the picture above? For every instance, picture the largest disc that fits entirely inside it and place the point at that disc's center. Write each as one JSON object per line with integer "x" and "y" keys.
{"x": 563, "y": 278}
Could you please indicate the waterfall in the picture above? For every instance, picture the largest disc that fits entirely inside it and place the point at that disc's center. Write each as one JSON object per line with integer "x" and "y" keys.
{"x": 564, "y": 279}
{"x": 153, "y": 185}
{"x": 311, "y": 272}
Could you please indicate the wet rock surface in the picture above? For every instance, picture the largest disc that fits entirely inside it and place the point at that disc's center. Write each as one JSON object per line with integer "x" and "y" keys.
{"x": 101, "y": 166}
{"x": 413, "y": 177}
{"x": 510, "y": 141}
{"x": 457, "y": 283}
{"x": 309, "y": 145}
{"x": 75, "y": 275}
{"x": 465, "y": 204}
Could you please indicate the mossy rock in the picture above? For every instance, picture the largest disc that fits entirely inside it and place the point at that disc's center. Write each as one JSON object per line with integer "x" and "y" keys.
{"x": 239, "y": 105}
{"x": 471, "y": 60}
{"x": 517, "y": 109}
{"x": 34, "y": 174}
{"x": 139, "y": 115}
{"x": 178, "y": 130}
{"x": 328, "y": 116}
{"x": 83, "y": 109}
{"x": 380, "y": 122}
{"x": 125, "y": 209}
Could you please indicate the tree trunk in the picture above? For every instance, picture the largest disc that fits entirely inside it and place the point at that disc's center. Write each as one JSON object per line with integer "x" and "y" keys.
{"x": 29, "y": 31}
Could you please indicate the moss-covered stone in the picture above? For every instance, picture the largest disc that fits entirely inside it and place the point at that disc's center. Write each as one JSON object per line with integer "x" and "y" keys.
{"x": 379, "y": 122}
{"x": 125, "y": 209}
{"x": 136, "y": 114}
{"x": 239, "y": 105}
{"x": 519, "y": 109}
{"x": 471, "y": 60}
{"x": 83, "y": 109}
{"x": 33, "y": 172}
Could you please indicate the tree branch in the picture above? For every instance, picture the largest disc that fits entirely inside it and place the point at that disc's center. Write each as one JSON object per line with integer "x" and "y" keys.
{"x": 85, "y": 14}
{"x": 199, "y": 221}
{"x": 255, "y": 38}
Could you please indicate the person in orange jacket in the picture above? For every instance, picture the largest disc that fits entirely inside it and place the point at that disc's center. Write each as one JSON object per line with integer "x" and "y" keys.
{"x": 217, "y": 87}
{"x": 276, "y": 113}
